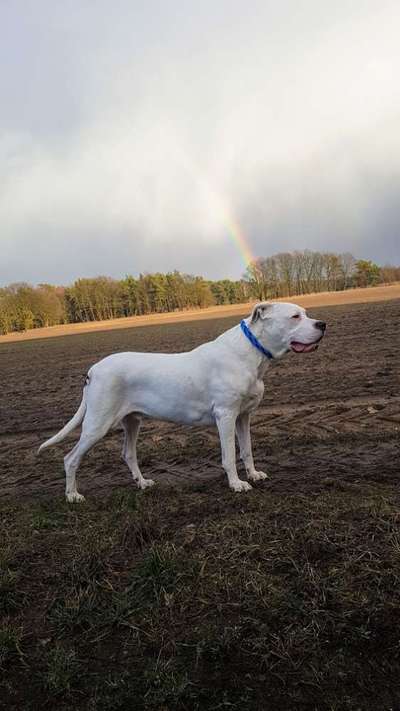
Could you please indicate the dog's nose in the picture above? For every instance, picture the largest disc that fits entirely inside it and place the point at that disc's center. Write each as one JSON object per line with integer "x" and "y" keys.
{"x": 321, "y": 325}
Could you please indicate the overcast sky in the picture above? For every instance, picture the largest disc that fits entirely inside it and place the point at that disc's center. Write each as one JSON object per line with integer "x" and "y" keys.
{"x": 132, "y": 133}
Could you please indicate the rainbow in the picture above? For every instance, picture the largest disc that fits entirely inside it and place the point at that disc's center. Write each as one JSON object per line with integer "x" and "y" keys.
{"x": 229, "y": 224}
{"x": 239, "y": 240}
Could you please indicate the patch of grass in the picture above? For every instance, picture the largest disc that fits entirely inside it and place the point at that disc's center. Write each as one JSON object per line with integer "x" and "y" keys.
{"x": 161, "y": 687}
{"x": 124, "y": 500}
{"x": 10, "y": 641}
{"x": 77, "y": 610}
{"x": 43, "y": 518}
{"x": 161, "y": 573}
{"x": 198, "y": 602}
{"x": 62, "y": 667}
{"x": 11, "y": 597}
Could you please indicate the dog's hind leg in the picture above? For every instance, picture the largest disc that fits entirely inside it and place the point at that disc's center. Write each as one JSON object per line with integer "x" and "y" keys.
{"x": 246, "y": 454}
{"x": 89, "y": 436}
{"x": 131, "y": 424}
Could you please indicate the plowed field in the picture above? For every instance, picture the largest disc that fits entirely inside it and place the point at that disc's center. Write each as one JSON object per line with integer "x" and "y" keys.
{"x": 331, "y": 414}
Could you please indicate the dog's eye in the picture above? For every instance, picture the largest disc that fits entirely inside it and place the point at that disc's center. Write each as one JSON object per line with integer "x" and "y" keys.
{"x": 296, "y": 316}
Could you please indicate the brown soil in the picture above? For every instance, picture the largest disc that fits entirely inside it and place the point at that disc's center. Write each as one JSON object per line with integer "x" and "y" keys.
{"x": 329, "y": 298}
{"x": 334, "y": 413}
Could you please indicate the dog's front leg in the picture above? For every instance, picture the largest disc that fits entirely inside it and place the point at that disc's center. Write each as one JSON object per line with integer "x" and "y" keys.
{"x": 226, "y": 429}
{"x": 244, "y": 438}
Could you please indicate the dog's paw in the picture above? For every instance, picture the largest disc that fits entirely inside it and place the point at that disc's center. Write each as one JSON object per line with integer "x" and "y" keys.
{"x": 146, "y": 483}
{"x": 257, "y": 476}
{"x": 75, "y": 498}
{"x": 240, "y": 485}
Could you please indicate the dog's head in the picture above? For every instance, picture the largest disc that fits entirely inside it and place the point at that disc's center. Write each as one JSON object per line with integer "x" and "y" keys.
{"x": 283, "y": 327}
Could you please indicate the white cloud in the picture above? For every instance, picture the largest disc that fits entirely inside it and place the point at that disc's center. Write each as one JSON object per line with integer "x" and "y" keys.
{"x": 146, "y": 128}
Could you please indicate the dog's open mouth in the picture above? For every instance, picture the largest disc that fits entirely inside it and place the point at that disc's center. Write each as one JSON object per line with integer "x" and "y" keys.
{"x": 298, "y": 347}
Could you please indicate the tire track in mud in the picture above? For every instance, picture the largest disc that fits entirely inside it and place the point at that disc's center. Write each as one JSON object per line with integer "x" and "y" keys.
{"x": 334, "y": 437}
{"x": 325, "y": 419}
{"x": 349, "y": 434}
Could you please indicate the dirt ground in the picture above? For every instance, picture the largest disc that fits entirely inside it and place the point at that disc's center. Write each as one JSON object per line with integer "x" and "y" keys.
{"x": 331, "y": 414}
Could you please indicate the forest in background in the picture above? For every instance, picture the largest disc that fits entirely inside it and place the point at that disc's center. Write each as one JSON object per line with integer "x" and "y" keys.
{"x": 23, "y": 306}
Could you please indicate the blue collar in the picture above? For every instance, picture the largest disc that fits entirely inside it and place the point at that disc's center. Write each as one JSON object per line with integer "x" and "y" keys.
{"x": 254, "y": 341}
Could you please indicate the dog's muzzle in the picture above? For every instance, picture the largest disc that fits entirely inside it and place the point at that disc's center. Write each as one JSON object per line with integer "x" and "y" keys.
{"x": 299, "y": 347}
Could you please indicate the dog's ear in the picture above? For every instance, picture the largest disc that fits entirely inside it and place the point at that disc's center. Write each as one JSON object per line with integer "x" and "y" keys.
{"x": 260, "y": 311}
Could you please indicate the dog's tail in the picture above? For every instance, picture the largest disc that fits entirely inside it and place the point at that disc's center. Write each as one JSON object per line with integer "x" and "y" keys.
{"x": 71, "y": 425}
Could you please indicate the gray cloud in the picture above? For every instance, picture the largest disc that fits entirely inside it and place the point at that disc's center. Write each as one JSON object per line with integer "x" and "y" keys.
{"x": 130, "y": 139}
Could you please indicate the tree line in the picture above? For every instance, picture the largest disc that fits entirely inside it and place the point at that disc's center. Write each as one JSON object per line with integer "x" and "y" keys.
{"x": 290, "y": 273}
{"x": 23, "y": 306}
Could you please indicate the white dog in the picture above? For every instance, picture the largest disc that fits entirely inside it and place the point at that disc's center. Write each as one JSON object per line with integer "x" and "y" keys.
{"x": 219, "y": 383}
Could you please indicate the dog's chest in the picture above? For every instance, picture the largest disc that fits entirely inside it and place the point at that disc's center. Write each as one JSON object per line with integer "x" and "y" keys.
{"x": 252, "y": 398}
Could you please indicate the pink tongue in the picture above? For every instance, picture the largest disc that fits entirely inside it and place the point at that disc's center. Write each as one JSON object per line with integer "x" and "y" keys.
{"x": 302, "y": 347}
